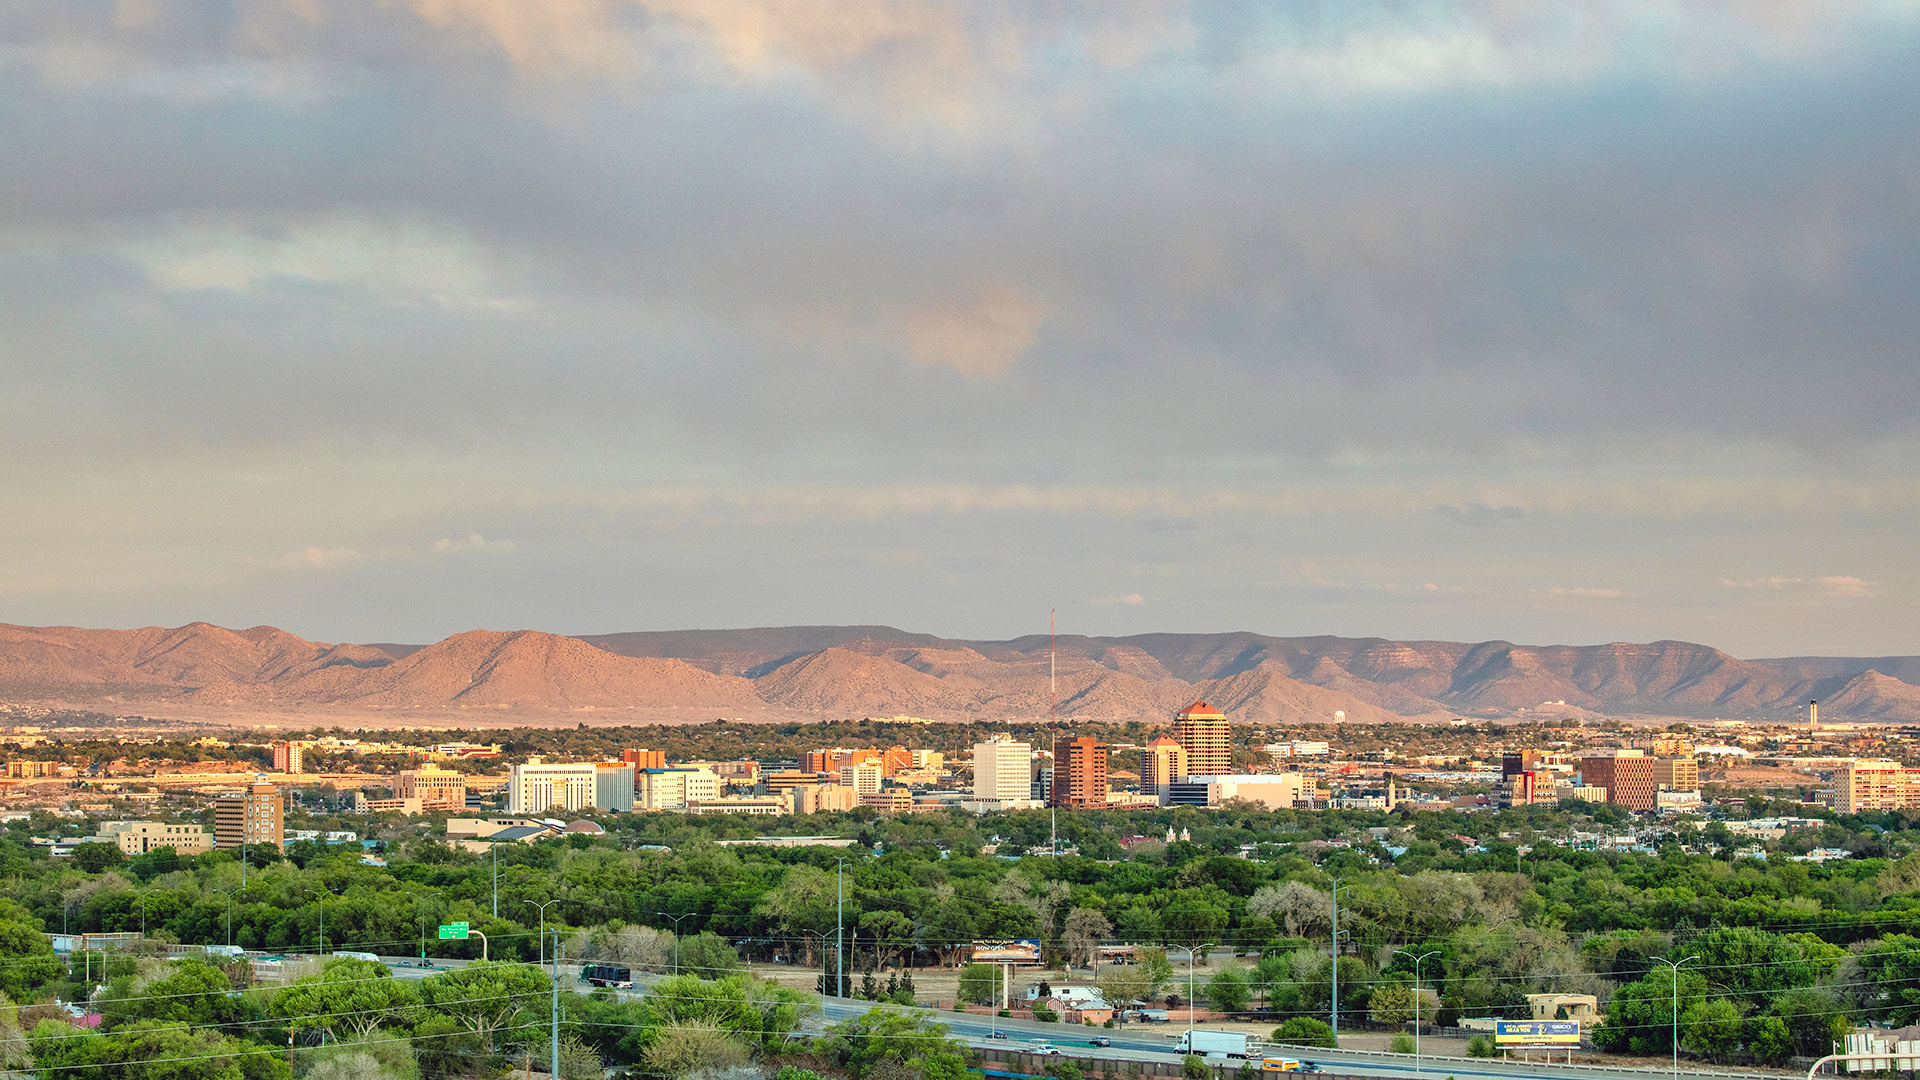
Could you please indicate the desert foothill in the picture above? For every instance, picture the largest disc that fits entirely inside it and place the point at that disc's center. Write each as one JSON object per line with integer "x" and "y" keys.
{"x": 959, "y": 540}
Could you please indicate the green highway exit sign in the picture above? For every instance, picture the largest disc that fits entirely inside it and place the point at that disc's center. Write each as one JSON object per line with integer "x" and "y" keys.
{"x": 454, "y": 932}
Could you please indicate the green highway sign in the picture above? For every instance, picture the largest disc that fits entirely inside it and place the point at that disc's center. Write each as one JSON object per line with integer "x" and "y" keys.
{"x": 454, "y": 932}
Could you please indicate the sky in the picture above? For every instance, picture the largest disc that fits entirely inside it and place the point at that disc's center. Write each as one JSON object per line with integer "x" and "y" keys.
{"x": 384, "y": 320}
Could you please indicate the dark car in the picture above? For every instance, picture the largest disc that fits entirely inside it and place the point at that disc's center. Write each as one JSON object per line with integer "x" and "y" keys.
{"x": 1100, "y": 1040}
{"x": 1308, "y": 1066}
{"x": 998, "y": 1035}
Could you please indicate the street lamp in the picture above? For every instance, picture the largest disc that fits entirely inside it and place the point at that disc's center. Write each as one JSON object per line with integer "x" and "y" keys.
{"x": 320, "y": 898}
{"x": 1416, "y": 999}
{"x": 804, "y": 934}
{"x": 228, "y": 893}
{"x": 1676, "y": 1004}
{"x": 675, "y": 919}
{"x": 1192, "y": 953}
{"x": 543, "y": 924}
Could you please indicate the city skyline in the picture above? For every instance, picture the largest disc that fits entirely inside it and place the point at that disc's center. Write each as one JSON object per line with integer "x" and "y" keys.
{"x": 1464, "y": 322}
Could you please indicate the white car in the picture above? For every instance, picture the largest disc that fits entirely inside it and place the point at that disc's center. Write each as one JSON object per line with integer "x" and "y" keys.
{"x": 1046, "y": 1048}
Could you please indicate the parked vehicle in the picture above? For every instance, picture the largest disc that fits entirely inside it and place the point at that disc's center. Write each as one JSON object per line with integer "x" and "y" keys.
{"x": 614, "y": 975}
{"x": 1219, "y": 1044}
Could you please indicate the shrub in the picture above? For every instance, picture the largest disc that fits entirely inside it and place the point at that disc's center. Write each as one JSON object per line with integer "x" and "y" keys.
{"x": 1480, "y": 1046}
{"x": 1305, "y": 1031}
{"x": 1402, "y": 1043}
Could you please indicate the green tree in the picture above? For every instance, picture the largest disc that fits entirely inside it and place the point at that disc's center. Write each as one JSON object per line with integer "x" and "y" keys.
{"x": 1305, "y": 1031}
{"x": 151, "y": 1050}
{"x": 92, "y": 857}
{"x": 1769, "y": 1041}
{"x": 1227, "y": 991}
{"x": 1391, "y": 1003}
{"x": 482, "y": 998}
{"x": 190, "y": 992}
{"x": 979, "y": 984}
{"x": 26, "y": 958}
{"x": 1640, "y": 1016}
{"x": 1711, "y": 1029}
{"x": 708, "y": 955}
{"x": 1195, "y": 1067}
{"x": 348, "y": 999}
{"x": 867, "y": 1044}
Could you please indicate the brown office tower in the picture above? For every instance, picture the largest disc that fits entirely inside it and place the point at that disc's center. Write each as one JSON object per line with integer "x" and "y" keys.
{"x": 1201, "y": 730}
{"x": 644, "y": 759}
{"x": 254, "y": 816}
{"x": 1627, "y": 776}
{"x": 1079, "y": 773}
{"x": 1515, "y": 762}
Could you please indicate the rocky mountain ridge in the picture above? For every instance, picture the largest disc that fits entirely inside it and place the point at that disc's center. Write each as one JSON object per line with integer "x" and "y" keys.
{"x": 877, "y": 670}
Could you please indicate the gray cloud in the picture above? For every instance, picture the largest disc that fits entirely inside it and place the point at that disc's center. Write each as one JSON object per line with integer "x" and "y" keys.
{"x": 719, "y": 262}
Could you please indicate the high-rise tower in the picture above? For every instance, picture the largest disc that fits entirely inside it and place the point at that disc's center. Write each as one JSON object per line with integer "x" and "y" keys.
{"x": 1201, "y": 730}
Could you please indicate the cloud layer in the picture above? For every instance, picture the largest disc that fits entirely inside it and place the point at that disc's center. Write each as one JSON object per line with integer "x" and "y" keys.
{"x": 1595, "y": 318}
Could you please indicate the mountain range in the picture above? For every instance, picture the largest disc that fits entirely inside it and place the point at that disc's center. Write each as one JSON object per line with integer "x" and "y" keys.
{"x": 842, "y": 671}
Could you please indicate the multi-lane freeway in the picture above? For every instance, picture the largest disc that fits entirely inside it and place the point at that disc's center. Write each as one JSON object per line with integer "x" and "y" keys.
{"x": 1155, "y": 1042}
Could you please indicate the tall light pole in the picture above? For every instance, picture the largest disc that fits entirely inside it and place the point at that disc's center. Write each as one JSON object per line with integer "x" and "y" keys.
{"x": 1192, "y": 953}
{"x": 494, "y": 847}
{"x": 839, "y": 913}
{"x": 543, "y": 924}
{"x": 1416, "y": 999}
{"x": 1676, "y": 1004}
{"x": 804, "y": 934}
{"x": 1333, "y": 1002}
{"x": 675, "y": 920}
{"x": 229, "y": 895}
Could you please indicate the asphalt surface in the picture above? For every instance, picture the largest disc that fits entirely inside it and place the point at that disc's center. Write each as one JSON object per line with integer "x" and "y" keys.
{"x": 1155, "y": 1042}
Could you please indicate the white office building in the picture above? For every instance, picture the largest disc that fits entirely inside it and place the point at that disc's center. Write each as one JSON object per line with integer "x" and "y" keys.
{"x": 863, "y": 779}
{"x": 537, "y": 786}
{"x": 1002, "y": 770}
{"x": 1275, "y": 791}
{"x": 672, "y": 788}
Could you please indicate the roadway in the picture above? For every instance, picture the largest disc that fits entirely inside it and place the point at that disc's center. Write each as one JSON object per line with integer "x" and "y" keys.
{"x": 1155, "y": 1042}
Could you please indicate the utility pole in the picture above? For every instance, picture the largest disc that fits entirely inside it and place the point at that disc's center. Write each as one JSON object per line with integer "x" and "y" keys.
{"x": 1676, "y": 1004}
{"x": 556, "y": 992}
{"x": 495, "y": 848}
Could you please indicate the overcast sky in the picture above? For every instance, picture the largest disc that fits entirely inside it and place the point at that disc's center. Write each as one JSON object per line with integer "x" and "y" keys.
{"x": 387, "y": 319}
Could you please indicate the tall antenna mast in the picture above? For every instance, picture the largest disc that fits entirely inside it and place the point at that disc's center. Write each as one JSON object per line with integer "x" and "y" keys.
{"x": 1053, "y": 707}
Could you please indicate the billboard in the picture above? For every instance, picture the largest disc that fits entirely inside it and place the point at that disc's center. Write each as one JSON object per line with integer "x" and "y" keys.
{"x": 1003, "y": 951}
{"x": 1536, "y": 1033}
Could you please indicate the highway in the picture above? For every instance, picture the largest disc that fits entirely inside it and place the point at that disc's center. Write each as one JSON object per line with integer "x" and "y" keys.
{"x": 1154, "y": 1042}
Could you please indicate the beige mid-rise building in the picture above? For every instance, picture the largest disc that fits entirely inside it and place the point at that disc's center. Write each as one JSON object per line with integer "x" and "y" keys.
{"x": 289, "y": 757}
{"x": 819, "y": 798}
{"x": 1868, "y": 784}
{"x": 140, "y": 837}
{"x": 436, "y": 788}
{"x": 254, "y": 816}
{"x": 1163, "y": 762}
